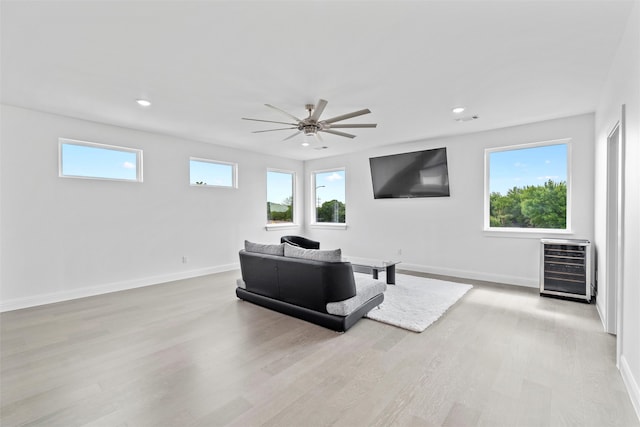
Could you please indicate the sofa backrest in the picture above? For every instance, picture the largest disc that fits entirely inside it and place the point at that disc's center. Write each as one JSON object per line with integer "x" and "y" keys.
{"x": 305, "y": 283}
{"x": 261, "y": 271}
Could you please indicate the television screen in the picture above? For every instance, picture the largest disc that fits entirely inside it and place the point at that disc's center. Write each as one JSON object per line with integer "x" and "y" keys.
{"x": 416, "y": 174}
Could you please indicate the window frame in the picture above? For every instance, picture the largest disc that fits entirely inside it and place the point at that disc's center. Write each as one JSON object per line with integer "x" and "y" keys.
{"x": 68, "y": 141}
{"x": 313, "y": 200}
{"x": 282, "y": 225}
{"x": 234, "y": 172}
{"x": 526, "y": 232}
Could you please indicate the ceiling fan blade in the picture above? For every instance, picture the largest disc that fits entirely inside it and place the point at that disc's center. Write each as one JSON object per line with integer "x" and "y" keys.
{"x": 270, "y": 121}
{"x": 318, "y": 137}
{"x": 289, "y": 137}
{"x": 367, "y": 125}
{"x": 347, "y": 116}
{"x": 284, "y": 112}
{"x": 317, "y": 111}
{"x": 271, "y": 130}
{"x": 335, "y": 132}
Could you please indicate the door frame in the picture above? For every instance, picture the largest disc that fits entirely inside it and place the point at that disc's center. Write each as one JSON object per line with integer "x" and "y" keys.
{"x": 615, "y": 228}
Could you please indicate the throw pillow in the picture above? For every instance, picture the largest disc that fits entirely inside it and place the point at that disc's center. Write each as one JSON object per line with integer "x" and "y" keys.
{"x": 262, "y": 248}
{"x": 334, "y": 255}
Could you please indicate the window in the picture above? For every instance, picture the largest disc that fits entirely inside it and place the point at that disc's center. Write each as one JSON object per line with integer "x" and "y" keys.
{"x": 280, "y": 190}
{"x": 329, "y": 196}
{"x": 211, "y": 173}
{"x": 527, "y": 187}
{"x": 79, "y": 159}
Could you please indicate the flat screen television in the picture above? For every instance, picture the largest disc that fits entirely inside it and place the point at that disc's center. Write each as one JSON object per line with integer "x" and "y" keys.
{"x": 416, "y": 174}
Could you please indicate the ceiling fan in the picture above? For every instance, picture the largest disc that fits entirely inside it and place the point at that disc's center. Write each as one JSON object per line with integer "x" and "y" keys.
{"x": 312, "y": 125}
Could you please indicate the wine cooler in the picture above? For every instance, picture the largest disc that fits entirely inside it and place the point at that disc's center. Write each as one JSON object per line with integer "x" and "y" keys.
{"x": 565, "y": 268}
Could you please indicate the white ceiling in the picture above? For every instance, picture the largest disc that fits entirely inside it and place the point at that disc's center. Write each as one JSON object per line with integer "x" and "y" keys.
{"x": 206, "y": 64}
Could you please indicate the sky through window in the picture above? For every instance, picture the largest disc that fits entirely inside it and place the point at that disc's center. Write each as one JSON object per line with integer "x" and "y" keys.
{"x": 94, "y": 161}
{"x": 527, "y": 167}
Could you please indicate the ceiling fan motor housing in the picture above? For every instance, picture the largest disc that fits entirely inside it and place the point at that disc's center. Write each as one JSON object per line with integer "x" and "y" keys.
{"x": 309, "y": 129}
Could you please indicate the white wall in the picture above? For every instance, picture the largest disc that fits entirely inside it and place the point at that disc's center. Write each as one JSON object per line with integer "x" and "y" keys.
{"x": 64, "y": 238}
{"x": 445, "y": 235}
{"x": 623, "y": 87}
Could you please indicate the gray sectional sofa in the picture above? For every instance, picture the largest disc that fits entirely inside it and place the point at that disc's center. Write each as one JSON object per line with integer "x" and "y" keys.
{"x": 313, "y": 285}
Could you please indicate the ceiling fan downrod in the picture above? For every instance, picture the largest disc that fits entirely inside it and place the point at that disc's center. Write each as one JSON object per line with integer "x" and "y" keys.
{"x": 309, "y": 126}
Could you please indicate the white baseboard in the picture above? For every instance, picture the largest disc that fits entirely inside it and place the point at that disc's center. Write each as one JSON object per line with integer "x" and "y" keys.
{"x": 601, "y": 314}
{"x": 464, "y": 274}
{"x": 42, "y": 299}
{"x": 631, "y": 383}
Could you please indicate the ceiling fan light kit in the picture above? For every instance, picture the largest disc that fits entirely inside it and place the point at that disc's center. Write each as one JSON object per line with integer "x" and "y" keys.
{"x": 311, "y": 126}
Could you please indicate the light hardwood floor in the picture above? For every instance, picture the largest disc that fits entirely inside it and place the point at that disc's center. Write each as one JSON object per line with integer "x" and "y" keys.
{"x": 189, "y": 353}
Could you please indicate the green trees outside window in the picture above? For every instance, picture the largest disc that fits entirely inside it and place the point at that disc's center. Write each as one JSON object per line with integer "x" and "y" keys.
{"x": 329, "y": 196}
{"x": 280, "y": 201}
{"x": 331, "y": 211}
{"x": 527, "y": 186}
{"x": 541, "y": 206}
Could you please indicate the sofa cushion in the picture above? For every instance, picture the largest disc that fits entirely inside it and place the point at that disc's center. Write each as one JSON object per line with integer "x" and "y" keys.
{"x": 262, "y": 248}
{"x": 366, "y": 288}
{"x": 334, "y": 255}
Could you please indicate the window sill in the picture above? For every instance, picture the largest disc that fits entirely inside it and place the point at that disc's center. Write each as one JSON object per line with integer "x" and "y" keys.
{"x": 286, "y": 226}
{"x": 524, "y": 233}
{"x": 328, "y": 225}
{"x": 213, "y": 186}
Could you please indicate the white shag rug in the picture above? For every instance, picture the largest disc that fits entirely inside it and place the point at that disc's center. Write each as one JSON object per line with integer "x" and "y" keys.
{"x": 414, "y": 303}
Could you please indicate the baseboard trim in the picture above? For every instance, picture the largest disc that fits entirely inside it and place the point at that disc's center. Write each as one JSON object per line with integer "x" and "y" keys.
{"x": 631, "y": 384}
{"x": 43, "y": 299}
{"x": 474, "y": 275}
{"x": 601, "y": 315}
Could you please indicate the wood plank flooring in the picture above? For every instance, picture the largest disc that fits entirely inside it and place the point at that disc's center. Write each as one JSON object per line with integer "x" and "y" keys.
{"x": 189, "y": 353}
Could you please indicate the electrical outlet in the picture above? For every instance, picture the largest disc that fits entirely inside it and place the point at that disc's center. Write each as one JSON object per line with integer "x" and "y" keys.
{"x": 399, "y": 251}
{"x": 185, "y": 259}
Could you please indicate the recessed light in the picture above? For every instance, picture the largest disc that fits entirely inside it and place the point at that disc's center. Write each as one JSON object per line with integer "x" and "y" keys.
{"x": 143, "y": 102}
{"x": 457, "y": 110}
{"x": 305, "y": 144}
